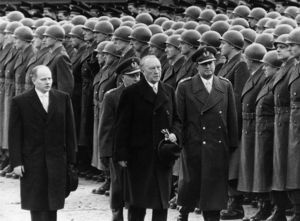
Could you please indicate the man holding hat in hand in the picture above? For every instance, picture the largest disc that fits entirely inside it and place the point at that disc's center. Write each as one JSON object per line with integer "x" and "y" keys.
{"x": 206, "y": 105}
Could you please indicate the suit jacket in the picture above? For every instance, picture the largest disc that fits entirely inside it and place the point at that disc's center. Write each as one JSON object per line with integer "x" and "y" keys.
{"x": 141, "y": 116}
{"x": 188, "y": 69}
{"x": 172, "y": 72}
{"x": 44, "y": 143}
{"x": 236, "y": 71}
{"x": 60, "y": 65}
{"x": 209, "y": 134}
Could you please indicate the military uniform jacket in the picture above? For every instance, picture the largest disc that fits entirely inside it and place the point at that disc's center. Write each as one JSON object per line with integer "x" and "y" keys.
{"x": 141, "y": 116}
{"x": 251, "y": 89}
{"x": 60, "y": 65}
{"x": 293, "y": 163}
{"x": 37, "y": 59}
{"x": 164, "y": 64}
{"x": 264, "y": 136}
{"x": 172, "y": 72}
{"x": 20, "y": 67}
{"x": 129, "y": 54}
{"x": 209, "y": 135}
{"x": 281, "y": 125}
{"x": 188, "y": 69}
{"x": 44, "y": 143}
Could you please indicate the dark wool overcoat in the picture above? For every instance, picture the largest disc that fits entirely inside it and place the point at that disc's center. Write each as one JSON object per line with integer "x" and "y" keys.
{"x": 44, "y": 143}
{"x": 209, "y": 135}
{"x": 281, "y": 125}
{"x": 236, "y": 71}
{"x": 141, "y": 116}
{"x": 246, "y": 166}
{"x": 264, "y": 136}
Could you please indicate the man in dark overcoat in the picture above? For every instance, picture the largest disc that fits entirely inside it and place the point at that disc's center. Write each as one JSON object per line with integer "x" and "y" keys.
{"x": 42, "y": 142}
{"x": 129, "y": 72}
{"x": 145, "y": 108}
{"x": 206, "y": 106}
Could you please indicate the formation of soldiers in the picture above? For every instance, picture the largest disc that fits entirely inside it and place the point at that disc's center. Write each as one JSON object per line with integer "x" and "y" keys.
{"x": 258, "y": 46}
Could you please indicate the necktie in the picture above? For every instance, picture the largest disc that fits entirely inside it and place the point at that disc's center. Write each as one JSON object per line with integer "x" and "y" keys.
{"x": 45, "y": 102}
{"x": 208, "y": 86}
{"x": 155, "y": 88}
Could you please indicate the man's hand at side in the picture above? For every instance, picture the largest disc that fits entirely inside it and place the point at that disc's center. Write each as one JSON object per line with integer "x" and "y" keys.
{"x": 19, "y": 170}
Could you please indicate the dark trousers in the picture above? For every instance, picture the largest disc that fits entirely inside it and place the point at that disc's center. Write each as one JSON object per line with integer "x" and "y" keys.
{"x": 138, "y": 214}
{"x": 280, "y": 200}
{"x": 212, "y": 215}
{"x": 43, "y": 215}
{"x": 294, "y": 196}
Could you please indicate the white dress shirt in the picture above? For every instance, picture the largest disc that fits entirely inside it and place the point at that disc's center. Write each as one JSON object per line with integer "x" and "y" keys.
{"x": 207, "y": 83}
{"x": 44, "y": 98}
{"x": 154, "y": 86}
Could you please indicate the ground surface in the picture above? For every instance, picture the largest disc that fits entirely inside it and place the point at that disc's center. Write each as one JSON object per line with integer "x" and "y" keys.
{"x": 81, "y": 205}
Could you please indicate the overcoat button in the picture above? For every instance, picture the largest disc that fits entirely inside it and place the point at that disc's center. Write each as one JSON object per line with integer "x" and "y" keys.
{"x": 204, "y": 142}
{"x": 203, "y": 128}
{"x": 220, "y": 141}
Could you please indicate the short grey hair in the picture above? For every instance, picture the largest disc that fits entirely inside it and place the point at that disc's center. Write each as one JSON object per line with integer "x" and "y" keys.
{"x": 35, "y": 70}
{"x": 144, "y": 60}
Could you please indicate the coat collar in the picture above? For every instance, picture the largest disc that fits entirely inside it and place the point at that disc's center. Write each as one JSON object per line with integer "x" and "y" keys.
{"x": 295, "y": 74}
{"x": 147, "y": 93}
{"x": 109, "y": 71}
{"x": 173, "y": 69}
{"x": 252, "y": 80}
{"x": 24, "y": 56}
{"x": 284, "y": 71}
{"x": 228, "y": 66}
{"x": 201, "y": 94}
{"x": 78, "y": 54}
{"x": 37, "y": 105}
{"x": 266, "y": 88}
{"x": 53, "y": 54}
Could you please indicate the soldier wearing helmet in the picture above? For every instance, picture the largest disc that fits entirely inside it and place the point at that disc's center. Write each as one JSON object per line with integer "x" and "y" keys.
{"x": 58, "y": 60}
{"x": 103, "y": 31}
{"x": 292, "y": 178}
{"x": 281, "y": 128}
{"x": 23, "y": 42}
{"x": 67, "y": 40}
{"x": 188, "y": 45}
{"x": 122, "y": 40}
{"x": 192, "y": 13}
{"x": 236, "y": 71}
{"x": 254, "y": 53}
{"x": 264, "y": 135}
{"x": 140, "y": 37}
{"x": 175, "y": 59}
{"x": 40, "y": 53}
{"x": 157, "y": 47}
{"x": 105, "y": 82}
{"x": 255, "y": 15}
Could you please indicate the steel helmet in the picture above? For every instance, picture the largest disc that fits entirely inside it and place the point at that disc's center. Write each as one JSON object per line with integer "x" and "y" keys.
{"x": 240, "y": 21}
{"x": 123, "y": 33}
{"x": 271, "y": 58}
{"x": 242, "y": 11}
{"x": 12, "y": 26}
{"x": 291, "y": 11}
{"x": 207, "y": 15}
{"x": 158, "y": 40}
{"x": 27, "y": 22}
{"x": 272, "y": 23}
{"x": 116, "y": 22}
{"x": 202, "y": 28}
{"x": 173, "y": 40}
{"x": 257, "y": 13}
{"x": 141, "y": 34}
{"x": 154, "y": 28}
{"x": 24, "y": 33}
{"x": 79, "y": 20}
{"x": 288, "y": 21}
{"x": 211, "y": 38}
{"x": 266, "y": 40}
{"x": 104, "y": 27}
{"x": 101, "y": 46}
{"x": 220, "y": 17}
{"x": 273, "y": 15}
{"x": 190, "y": 25}
{"x": 15, "y": 16}
{"x": 177, "y": 25}
{"x": 110, "y": 48}
{"x": 3, "y": 25}
{"x": 294, "y": 37}
{"x": 77, "y": 32}
{"x": 234, "y": 38}
{"x": 193, "y": 12}
{"x": 190, "y": 37}
{"x": 167, "y": 24}
{"x": 220, "y": 26}
{"x": 55, "y": 32}
{"x": 249, "y": 35}
{"x": 255, "y": 52}
{"x": 90, "y": 25}
{"x": 67, "y": 27}
{"x": 282, "y": 39}
{"x": 39, "y": 32}
{"x": 282, "y": 29}
{"x": 145, "y": 18}
{"x": 160, "y": 20}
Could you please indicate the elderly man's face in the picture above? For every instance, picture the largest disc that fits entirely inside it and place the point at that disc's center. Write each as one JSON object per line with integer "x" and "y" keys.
{"x": 151, "y": 69}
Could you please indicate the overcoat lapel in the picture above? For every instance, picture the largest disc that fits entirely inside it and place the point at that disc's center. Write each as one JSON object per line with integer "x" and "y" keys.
{"x": 36, "y": 103}
{"x": 4, "y": 52}
{"x": 265, "y": 89}
{"x": 252, "y": 81}
{"x": 284, "y": 71}
{"x": 146, "y": 91}
{"x": 52, "y": 106}
{"x": 199, "y": 90}
{"x": 215, "y": 96}
{"x": 227, "y": 67}
{"x": 295, "y": 75}
{"x": 162, "y": 96}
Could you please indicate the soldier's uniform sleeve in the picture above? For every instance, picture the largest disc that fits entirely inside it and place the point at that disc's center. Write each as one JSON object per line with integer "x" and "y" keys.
{"x": 65, "y": 80}
{"x": 71, "y": 142}
{"x": 15, "y": 135}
